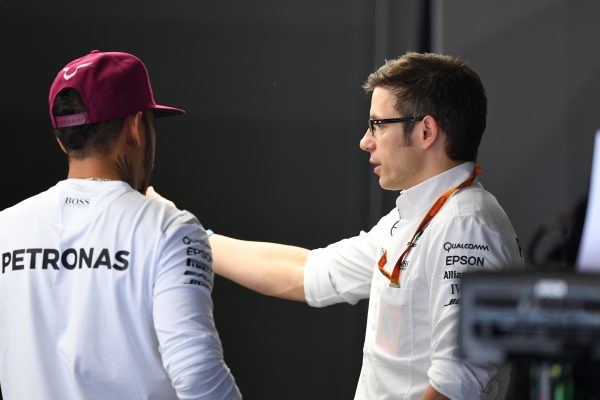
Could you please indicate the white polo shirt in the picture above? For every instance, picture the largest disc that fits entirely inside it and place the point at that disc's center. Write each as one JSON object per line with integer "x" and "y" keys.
{"x": 411, "y": 330}
{"x": 106, "y": 294}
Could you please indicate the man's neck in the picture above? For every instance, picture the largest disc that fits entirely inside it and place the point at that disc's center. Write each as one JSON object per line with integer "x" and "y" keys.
{"x": 92, "y": 167}
{"x": 432, "y": 169}
{"x": 441, "y": 166}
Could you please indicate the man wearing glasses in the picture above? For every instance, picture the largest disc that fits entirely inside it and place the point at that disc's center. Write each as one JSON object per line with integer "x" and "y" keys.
{"x": 427, "y": 117}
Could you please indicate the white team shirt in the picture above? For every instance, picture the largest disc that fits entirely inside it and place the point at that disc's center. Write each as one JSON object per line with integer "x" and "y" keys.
{"x": 106, "y": 294}
{"x": 410, "y": 339}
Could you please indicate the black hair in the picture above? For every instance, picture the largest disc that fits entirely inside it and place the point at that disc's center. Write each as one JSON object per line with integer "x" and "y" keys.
{"x": 84, "y": 140}
{"x": 443, "y": 87}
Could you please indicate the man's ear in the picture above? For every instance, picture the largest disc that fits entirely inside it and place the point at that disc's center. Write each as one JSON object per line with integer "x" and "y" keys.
{"x": 61, "y": 145}
{"x": 133, "y": 129}
{"x": 431, "y": 132}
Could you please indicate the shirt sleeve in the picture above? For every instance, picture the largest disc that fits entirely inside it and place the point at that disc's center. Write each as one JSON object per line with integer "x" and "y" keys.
{"x": 466, "y": 243}
{"x": 188, "y": 340}
{"x": 342, "y": 272}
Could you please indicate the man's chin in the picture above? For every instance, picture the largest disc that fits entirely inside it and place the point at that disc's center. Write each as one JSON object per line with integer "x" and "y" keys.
{"x": 383, "y": 184}
{"x": 388, "y": 186}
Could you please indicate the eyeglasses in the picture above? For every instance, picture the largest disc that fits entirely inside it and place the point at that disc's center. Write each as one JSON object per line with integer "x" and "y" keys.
{"x": 377, "y": 122}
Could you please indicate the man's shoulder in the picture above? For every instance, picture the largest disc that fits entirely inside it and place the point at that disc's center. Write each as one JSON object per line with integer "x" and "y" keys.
{"x": 159, "y": 214}
{"x": 474, "y": 209}
{"x": 27, "y": 205}
{"x": 170, "y": 212}
{"x": 475, "y": 201}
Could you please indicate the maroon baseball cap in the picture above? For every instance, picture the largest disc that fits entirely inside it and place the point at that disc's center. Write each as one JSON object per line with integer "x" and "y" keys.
{"x": 111, "y": 85}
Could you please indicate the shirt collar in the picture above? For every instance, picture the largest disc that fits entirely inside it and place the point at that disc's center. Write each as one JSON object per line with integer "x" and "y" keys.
{"x": 418, "y": 199}
{"x": 87, "y": 184}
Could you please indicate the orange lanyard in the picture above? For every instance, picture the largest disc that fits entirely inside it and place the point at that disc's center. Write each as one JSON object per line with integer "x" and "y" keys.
{"x": 394, "y": 277}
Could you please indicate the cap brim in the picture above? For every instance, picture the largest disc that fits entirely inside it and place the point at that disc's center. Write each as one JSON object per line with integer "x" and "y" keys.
{"x": 164, "y": 111}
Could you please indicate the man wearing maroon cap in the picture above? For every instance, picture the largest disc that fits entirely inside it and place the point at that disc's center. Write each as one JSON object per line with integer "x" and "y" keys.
{"x": 105, "y": 293}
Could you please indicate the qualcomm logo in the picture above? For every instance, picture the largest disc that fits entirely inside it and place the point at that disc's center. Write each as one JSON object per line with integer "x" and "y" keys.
{"x": 467, "y": 246}
{"x": 68, "y": 76}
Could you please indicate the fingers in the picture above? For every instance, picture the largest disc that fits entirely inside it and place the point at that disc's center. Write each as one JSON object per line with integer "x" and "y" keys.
{"x": 152, "y": 194}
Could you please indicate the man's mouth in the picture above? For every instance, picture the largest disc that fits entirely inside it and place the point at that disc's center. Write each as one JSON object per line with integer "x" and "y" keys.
{"x": 377, "y": 166}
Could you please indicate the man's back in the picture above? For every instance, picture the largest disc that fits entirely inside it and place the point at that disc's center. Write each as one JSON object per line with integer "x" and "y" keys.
{"x": 99, "y": 288}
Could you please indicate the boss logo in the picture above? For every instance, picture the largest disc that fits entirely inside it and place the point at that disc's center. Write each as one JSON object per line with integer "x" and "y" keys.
{"x": 76, "y": 202}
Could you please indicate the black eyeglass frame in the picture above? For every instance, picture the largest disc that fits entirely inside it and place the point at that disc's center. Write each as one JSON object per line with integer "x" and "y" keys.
{"x": 374, "y": 122}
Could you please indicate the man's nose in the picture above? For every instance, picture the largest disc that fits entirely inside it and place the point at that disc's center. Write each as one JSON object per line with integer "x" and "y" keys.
{"x": 367, "y": 143}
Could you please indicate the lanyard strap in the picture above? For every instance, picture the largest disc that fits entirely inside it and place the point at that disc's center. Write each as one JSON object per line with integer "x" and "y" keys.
{"x": 394, "y": 277}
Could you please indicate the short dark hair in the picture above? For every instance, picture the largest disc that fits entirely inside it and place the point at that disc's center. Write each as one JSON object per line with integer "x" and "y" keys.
{"x": 84, "y": 140}
{"x": 441, "y": 86}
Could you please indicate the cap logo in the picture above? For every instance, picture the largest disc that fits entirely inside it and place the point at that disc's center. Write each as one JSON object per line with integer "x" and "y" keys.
{"x": 68, "y": 76}
{"x": 111, "y": 85}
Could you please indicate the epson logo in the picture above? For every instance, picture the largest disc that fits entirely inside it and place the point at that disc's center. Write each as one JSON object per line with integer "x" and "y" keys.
{"x": 466, "y": 246}
{"x": 76, "y": 202}
{"x": 465, "y": 260}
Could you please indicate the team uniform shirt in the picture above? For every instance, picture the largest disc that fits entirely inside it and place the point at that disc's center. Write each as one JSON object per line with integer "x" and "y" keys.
{"x": 411, "y": 334}
{"x": 106, "y": 294}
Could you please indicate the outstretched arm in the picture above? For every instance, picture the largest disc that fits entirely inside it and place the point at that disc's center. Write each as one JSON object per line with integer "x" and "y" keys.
{"x": 268, "y": 268}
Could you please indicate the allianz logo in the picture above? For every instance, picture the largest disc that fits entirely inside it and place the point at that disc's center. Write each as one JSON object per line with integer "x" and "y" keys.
{"x": 76, "y": 202}
{"x": 465, "y": 246}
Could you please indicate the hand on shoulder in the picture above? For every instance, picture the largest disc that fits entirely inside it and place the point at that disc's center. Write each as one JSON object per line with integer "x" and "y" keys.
{"x": 152, "y": 194}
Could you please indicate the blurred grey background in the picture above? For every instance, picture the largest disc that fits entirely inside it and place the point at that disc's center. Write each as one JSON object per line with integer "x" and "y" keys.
{"x": 268, "y": 149}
